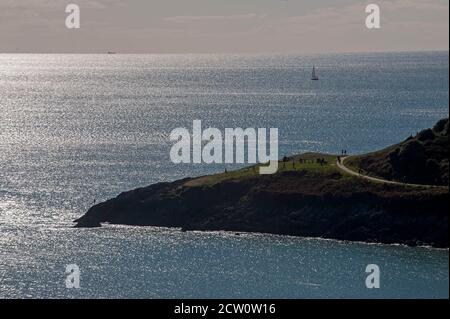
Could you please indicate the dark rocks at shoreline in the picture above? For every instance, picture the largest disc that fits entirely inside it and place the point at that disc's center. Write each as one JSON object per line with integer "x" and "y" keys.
{"x": 291, "y": 203}
{"x": 317, "y": 202}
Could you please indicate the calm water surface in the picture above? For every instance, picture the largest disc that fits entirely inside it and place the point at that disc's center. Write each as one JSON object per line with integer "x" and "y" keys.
{"x": 79, "y": 128}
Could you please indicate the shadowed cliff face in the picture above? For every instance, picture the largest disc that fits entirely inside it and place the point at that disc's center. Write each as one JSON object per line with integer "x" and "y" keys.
{"x": 299, "y": 203}
{"x": 307, "y": 197}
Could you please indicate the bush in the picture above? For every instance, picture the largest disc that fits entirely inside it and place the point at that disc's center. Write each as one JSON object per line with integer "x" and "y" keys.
{"x": 433, "y": 170}
{"x": 412, "y": 152}
{"x": 441, "y": 127}
{"x": 426, "y": 135}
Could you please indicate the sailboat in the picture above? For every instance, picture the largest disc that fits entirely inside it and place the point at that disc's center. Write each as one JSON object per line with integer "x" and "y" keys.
{"x": 314, "y": 77}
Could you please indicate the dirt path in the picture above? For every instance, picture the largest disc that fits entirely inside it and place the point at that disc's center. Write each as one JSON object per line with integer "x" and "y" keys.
{"x": 341, "y": 165}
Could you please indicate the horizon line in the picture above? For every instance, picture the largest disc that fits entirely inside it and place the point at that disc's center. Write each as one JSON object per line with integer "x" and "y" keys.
{"x": 230, "y": 53}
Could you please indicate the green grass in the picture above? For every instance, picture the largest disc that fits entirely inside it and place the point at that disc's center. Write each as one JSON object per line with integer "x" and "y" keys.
{"x": 292, "y": 164}
{"x": 304, "y": 162}
{"x": 353, "y": 163}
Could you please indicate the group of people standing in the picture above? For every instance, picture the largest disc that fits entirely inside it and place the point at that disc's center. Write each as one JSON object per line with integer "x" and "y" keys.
{"x": 343, "y": 153}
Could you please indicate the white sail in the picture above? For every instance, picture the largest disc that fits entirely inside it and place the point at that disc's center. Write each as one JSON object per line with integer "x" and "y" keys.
{"x": 313, "y": 75}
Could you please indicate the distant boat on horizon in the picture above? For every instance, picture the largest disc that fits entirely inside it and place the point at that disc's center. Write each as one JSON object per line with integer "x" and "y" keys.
{"x": 314, "y": 77}
{"x": 111, "y": 52}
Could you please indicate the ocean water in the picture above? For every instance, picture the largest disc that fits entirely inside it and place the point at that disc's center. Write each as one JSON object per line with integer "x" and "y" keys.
{"x": 79, "y": 128}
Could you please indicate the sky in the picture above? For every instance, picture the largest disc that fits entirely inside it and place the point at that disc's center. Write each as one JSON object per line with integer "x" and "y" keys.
{"x": 222, "y": 26}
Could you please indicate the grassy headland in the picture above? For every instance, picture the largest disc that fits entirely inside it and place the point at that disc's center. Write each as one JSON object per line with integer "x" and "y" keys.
{"x": 308, "y": 196}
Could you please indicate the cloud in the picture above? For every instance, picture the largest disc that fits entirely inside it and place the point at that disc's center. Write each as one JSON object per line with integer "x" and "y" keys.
{"x": 54, "y": 4}
{"x": 18, "y": 10}
{"x": 236, "y": 17}
{"x": 392, "y": 11}
{"x": 405, "y": 25}
{"x": 393, "y": 5}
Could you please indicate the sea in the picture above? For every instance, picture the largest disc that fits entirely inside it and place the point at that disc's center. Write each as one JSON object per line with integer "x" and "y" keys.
{"x": 79, "y": 129}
